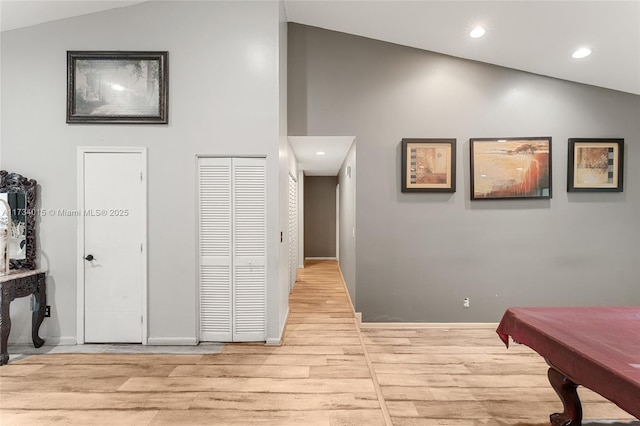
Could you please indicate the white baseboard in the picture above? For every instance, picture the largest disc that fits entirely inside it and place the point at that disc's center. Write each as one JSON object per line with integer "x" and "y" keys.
{"x": 320, "y": 258}
{"x": 172, "y": 341}
{"x": 60, "y": 341}
{"x": 359, "y": 318}
{"x": 459, "y": 325}
{"x": 278, "y": 341}
{"x": 48, "y": 341}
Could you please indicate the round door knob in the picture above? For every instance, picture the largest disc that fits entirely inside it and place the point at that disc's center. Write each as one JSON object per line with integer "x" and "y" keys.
{"x": 89, "y": 257}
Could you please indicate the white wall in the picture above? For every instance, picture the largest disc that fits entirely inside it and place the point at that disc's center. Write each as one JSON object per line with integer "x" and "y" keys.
{"x": 225, "y": 98}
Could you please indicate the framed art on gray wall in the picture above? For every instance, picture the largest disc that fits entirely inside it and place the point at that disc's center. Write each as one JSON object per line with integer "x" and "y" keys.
{"x": 595, "y": 165}
{"x": 510, "y": 168}
{"x": 428, "y": 165}
{"x": 117, "y": 87}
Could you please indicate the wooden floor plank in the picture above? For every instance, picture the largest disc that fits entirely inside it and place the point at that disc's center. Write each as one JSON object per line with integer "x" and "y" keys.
{"x": 272, "y": 371}
{"x": 83, "y": 401}
{"x": 237, "y": 384}
{"x": 325, "y": 349}
{"x": 35, "y": 417}
{"x": 86, "y": 371}
{"x": 276, "y": 417}
{"x": 107, "y": 359}
{"x": 20, "y": 370}
{"x": 65, "y": 384}
{"x": 337, "y": 371}
{"x": 284, "y": 401}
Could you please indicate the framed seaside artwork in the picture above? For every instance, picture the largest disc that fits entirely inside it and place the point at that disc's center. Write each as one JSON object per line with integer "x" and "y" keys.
{"x": 595, "y": 165}
{"x": 117, "y": 87}
{"x": 428, "y": 165}
{"x": 510, "y": 168}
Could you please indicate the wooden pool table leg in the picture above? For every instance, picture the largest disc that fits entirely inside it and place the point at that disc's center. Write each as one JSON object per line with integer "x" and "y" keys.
{"x": 566, "y": 390}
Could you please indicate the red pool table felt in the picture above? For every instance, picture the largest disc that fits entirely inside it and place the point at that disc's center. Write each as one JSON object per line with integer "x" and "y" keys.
{"x": 596, "y": 347}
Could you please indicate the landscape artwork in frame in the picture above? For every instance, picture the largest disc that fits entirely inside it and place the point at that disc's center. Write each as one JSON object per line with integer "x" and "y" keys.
{"x": 428, "y": 165}
{"x": 117, "y": 87}
{"x": 595, "y": 165}
{"x": 510, "y": 168}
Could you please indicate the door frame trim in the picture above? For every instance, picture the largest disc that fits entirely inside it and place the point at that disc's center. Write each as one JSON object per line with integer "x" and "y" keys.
{"x": 81, "y": 151}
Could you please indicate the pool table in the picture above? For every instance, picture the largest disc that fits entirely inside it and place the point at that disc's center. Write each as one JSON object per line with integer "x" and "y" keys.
{"x": 596, "y": 347}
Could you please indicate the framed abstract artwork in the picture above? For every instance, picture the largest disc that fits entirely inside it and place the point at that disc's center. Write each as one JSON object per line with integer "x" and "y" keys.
{"x": 595, "y": 165}
{"x": 117, "y": 87}
{"x": 428, "y": 165}
{"x": 510, "y": 168}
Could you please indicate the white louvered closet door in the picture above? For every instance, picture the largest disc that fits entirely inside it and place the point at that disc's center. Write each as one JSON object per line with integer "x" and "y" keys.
{"x": 232, "y": 245}
{"x": 249, "y": 249}
{"x": 215, "y": 243}
{"x": 293, "y": 231}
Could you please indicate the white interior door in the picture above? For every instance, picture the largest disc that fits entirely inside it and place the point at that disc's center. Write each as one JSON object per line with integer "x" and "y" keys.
{"x": 114, "y": 232}
{"x": 232, "y": 246}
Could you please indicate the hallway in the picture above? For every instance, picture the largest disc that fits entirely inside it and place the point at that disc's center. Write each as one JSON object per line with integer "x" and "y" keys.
{"x": 320, "y": 375}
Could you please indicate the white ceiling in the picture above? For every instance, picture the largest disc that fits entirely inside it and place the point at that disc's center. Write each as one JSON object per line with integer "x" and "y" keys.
{"x": 534, "y": 36}
{"x": 335, "y": 148}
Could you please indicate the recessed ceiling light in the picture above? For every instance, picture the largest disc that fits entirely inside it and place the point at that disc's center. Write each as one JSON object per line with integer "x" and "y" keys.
{"x": 477, "y": 32}
{"x": 320, "y": 153}
{"x": 583, "y": 52}
{"x": 502, "y": 140}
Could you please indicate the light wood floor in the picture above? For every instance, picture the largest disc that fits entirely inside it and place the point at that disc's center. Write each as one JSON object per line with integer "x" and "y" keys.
{"x": 327, "y": 372}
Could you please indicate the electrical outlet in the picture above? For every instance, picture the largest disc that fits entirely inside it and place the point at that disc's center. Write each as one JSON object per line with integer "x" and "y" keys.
{"x": 47, "y": 311}
{"x": 465, "y": 302}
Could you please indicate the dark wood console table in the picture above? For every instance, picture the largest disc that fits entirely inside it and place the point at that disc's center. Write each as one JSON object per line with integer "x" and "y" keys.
{"x": 16, "y": 284}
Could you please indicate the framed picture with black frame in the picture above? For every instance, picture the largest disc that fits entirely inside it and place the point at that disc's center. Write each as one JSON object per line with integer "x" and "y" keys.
{"x": 595, "y": 165}
{"x": 117, "y": 87}
{"x": 428, "y": 165}
{"x": 510, "y": 168}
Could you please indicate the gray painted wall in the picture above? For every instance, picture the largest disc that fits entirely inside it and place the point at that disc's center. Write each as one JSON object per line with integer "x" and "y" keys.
{"x": 347, "y": 238}
{"x": 227, "y": 86}
{"x": 419, "y": 255}
{"x": 320, "y": 216}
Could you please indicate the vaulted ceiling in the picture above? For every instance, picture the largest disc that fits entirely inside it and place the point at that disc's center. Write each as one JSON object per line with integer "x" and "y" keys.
{"x": 534, "y": 36}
